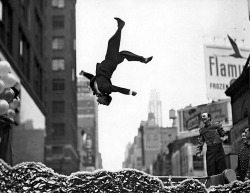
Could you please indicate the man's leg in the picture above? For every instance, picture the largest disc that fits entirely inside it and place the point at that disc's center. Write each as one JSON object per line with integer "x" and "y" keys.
{"x": 210, "y": 158}
{"x": 221, "y": 164}
{"x": 133, "y": 57}
{"x": 114, "y": 44}
{"x": 211, "y": 168}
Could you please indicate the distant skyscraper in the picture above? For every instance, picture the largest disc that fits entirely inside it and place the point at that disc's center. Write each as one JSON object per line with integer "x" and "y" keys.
{"x": 88, "y": 144}
{"x": 154, "y": 107}
{"x": 61, "y": 87}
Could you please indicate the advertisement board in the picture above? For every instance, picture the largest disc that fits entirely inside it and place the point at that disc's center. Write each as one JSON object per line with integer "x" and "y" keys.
{"x": 190, "y": 118}
{"x": 221, "y": 69}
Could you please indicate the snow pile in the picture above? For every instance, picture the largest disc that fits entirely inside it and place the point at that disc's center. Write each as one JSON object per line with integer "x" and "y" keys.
{"x": 187, "y": 186}
{"x": 236, "y": 186}
{"x": 36, "y": 177}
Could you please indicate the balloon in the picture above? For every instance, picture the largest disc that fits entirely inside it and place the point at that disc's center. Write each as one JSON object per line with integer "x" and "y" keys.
{"x": 9, "y": 80}
{"x": 4, "y": 106}
{"x": 8, "y": 95}
{"x": 11, "y": 112}
{"x": 4, "y": 68}
{"x": 15, "y": 103}
{"x": 2, "y": 86}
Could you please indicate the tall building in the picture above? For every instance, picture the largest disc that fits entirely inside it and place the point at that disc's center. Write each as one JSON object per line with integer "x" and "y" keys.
{"x": 151, "y": 142}
{"x": 21, "y": 44}
{"x": 154, "y": 107}
{"x": 133, "y": 154}
{"x": 162, "y": 163}
{"x": 88, "y": 142}
{"x": 149, "y": 151}
{"x": 61, "y": 92}
{"x": 129, "y": 153}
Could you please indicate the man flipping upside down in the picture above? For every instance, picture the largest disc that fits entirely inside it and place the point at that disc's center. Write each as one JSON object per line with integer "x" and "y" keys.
{"x": 101, "y": 84}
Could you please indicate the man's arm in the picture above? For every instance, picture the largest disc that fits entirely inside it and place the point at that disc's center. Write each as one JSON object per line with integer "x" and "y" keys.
{"x": 201, "y": 142}
{"x": 220, "y": 130}
{"x": 113, "y": 88}
{"x": 86, "y": 74}
{"x": 222, "y": 133}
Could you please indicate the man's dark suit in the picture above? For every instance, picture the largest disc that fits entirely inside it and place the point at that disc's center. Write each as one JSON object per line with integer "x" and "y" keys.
{"x": 105, "y": 69}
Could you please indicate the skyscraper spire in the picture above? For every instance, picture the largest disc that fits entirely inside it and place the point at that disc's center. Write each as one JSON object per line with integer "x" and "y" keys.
{"x": 154, "y": 107}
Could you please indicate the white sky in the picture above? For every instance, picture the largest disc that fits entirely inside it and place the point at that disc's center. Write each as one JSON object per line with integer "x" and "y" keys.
{"x": 174, "y": 32}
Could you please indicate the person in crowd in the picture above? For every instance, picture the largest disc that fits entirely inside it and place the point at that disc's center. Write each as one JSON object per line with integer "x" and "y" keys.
{"x": 242, "y": 171}
{"x": 101, "y": 84}
{"x": 213, "y": 135}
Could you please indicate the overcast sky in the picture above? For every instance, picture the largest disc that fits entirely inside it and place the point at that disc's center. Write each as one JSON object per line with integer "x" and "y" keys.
{"x": 174, "y": 33}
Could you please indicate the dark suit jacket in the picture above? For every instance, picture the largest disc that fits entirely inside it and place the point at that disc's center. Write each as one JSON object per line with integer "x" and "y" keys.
{"x": 103, "y": 76}
{"x": 210, "y": 135}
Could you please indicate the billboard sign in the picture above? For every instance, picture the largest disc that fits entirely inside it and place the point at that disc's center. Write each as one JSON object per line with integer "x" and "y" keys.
{"x": 190, "y": 118}
{"x": 221, "y": 68}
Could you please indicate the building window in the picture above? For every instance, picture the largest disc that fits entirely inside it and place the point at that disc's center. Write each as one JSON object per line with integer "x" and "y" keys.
{"x": 24, "y": 55}
{"x": 58, "y": 43}
{"x": 86, "y": 103}
{"x": 38, "y": 78}
{"x": 85, "y": 111}
{"x": 58, "y": 3}
{"x": 21, "y": 47}
{"x": 73, "y": 74}
{"x": 58, "y": 150}
{"x": 58, "y": 22}
{"x": 58, "y": 106}
{"x": 1, "y": 10}
{"x": 198, "y": 163}
{"x": 58, "y": 64}
{"x": 58, "y": 129}
{"x": 58, "y": 84}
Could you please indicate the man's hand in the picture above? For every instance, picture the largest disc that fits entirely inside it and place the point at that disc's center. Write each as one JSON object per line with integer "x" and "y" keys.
{"x": 199, "y": 155}
{"x": 81, "y": 73}
{"x": 134, "y": 93}
{"x": 225, "y": 138}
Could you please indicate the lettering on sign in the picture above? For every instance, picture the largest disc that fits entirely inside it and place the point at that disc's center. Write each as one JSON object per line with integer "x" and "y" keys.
{"x": 221, "y": 69}
{"x": 224, "y": 69}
